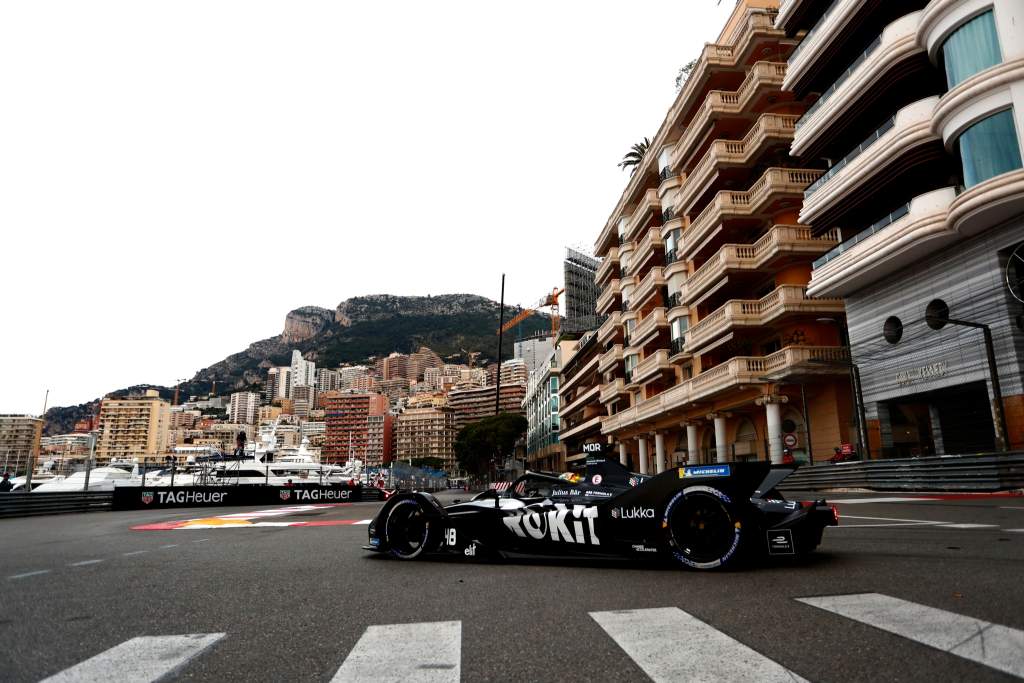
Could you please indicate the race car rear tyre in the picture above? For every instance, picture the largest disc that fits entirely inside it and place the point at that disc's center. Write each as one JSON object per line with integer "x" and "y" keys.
{"x": 408, "y": 532}
{"x": 703, "y": 528}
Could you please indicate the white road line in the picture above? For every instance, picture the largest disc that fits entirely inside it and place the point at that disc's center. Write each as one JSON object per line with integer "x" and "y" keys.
{"x": 362, "y": 521}
{"x": 139, "y": 660}
{"x": 861, "y": 501}
{"x": 201, "y": 540}
{"x": 423, "y": 653}
{"x": 84, "y": 563}
{"x": 170, "y": 545}
{"x": 970, "y": 526}
{"x": 135, "y": 552}
{"x": 28, "y": 574}
{"x": 671, "y": 645}
{"x": 1016, "y": 531}
{"x": 995, "y": 646}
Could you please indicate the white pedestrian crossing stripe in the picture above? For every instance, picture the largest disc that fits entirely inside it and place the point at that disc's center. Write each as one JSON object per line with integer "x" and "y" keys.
{"x": 406, "y": 653}
{"x": 995, "y": 646}
{"x": 139, "y": 660}
{"x": 671, "y": 645}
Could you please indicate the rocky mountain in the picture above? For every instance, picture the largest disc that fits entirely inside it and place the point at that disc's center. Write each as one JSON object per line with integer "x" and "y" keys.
{"x": 356, "y": 330}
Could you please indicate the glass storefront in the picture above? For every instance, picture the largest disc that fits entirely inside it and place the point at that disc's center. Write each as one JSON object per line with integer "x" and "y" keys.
{"x": 989, "y": 148}
{"x": 971, "y": 48}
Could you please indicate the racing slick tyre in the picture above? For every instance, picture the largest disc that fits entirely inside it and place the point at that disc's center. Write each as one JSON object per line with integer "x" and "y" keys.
{"x": 408, "y": 531}
{"x": 703, "y": 528}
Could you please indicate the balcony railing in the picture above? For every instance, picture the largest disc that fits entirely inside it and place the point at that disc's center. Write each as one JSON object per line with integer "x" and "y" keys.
{"x": 872, "y": 229}
{"x": 667, "y": 215}
{"x": 675, "y": 299}
{"x": 814, "y": 29}
{"x": 665, "y": 174}
{"x": 670, "y": 257}
{"x": 839, "y": 81}
{"x": 853, "y": 154}
{"x": 678, "y": 345}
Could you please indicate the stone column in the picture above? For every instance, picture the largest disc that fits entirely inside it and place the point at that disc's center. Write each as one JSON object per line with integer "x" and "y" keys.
{"x": 773, "y": 411}
{"x": 933, "y": 417}
{"x": 659, "y": 452}
{"x": 692, "y": 445}
{"x": 642, "y": 442}
{"x": 721, "y": 449}
{"x": 623, "y": 455}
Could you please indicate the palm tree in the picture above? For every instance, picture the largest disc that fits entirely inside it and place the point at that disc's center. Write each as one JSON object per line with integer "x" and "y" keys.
{"x": 634, "y": 156}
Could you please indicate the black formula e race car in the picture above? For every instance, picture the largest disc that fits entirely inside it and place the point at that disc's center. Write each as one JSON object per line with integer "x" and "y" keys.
{"x": 703, "y": 517}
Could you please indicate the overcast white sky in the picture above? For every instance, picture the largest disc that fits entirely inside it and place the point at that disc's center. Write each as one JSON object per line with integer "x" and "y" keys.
{"x": 176, "y": 176}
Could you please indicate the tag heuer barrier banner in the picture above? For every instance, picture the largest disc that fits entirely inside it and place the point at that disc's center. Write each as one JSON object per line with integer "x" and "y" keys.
{"x": 141, "y": 497}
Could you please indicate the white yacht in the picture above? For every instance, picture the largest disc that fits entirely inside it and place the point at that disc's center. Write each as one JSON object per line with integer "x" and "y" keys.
{"x": 100, "y": 479}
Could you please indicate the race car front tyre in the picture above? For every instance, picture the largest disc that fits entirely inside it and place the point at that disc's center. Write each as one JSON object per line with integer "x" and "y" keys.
{"x": 408, "y": 532}
{"x": 703, "y": 528}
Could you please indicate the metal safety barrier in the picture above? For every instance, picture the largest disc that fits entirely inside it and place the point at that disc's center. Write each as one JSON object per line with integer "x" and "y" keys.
{"x": 985, "y": 472}
{"x": 25, "y": 504}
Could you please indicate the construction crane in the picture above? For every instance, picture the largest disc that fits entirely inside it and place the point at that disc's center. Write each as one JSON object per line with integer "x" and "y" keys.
{"x": 549, "y": 300}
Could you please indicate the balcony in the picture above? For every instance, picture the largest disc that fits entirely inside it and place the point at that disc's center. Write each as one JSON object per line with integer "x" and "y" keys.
{"x": 648, "y": 287}
{"x": 647, "y": 249}
{"x": 677, "y": 347}
{"x": 588, "y": 397}
{"x": 650, "y": 204}
{"x": 762, "y": 78}
{"x": 895, "y": 45}
{"x": 610, "y": 359}
{"x": 775, "y": 184}
{"x": 652, "y": 367}
{"x": 607, "y": 269}
{"x": 854, "y": 177}
{"x": 656, "y": 320}
{"x": 672, "y": 404}
{"x": 613, "y": 391}
{"x": 888, "y": 246}
{"x": 770, "y": 128}
{"x": 610, "y": 328}
{"x": 815, "y": 43}
{"x": 749, "y": 313}
{"x": 609, "y": 298}
{"x": 779, "y": 242}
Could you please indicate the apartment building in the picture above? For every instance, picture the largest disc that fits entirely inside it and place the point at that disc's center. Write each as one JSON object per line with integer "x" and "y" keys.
{"x": 244, "y": 409}
{"x": 303, "y": 372}
{"x": 380, "y": 436}
{"x": 475, "y": 403}
{"x": 713, "y": 348}
{"x": 532, "y": 352}
{"x": 20, "y": 437}
{"x": 133, "y": 428}
{"x": 541, "y": 407}
{"x": 581, "y": 292}
{"x": 427, "y": 432}
{"x": 279, "y": 384}
{"x": 918, "y": 115}
{"x": 580, "y": 407}
{"x": 347, "y": 431}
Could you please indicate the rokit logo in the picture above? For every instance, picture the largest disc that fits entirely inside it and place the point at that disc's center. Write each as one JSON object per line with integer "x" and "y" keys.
{"x": 555, "y": 525}
{"x": 633, "y": 513}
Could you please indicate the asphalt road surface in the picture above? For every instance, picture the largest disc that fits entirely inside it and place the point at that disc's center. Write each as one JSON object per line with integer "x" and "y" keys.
{"x": 909, "y": 590}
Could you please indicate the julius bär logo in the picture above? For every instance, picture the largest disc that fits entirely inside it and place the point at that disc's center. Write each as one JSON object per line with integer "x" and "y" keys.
{"x": 285, "y": 494}
{"x": 147, "y": 497}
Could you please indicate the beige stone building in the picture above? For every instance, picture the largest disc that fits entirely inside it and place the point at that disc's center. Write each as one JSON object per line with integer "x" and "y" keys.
{"x": 20, "y": 437}
{"x": 427, "y": 433}
{"x": 133, "y": 428}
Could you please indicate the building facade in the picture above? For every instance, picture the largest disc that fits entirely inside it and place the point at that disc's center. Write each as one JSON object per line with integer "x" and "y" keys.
{"x": 919, "y": 116}
{"x": 712, "y": 341}
{"x": 475, "y": 403}
{"x": 347, "y": 432}
{"x": 133, "y": 428}
{"x": 20, "y": 437}
{"x": 380, "y": 435}
{"x": 581, "y": 292}
{"x": 279, "y": 384}
{"x": 303, "y": 372}
{"x": 427, "y": 432}
{"x": 541, "y": 408}
{"x": 579, "y": 396}
{"x": 532, "y": 352}
{"x": 244, "y": 409}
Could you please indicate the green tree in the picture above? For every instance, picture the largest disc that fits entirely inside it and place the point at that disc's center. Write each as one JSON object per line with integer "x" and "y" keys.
{"x": 684, "y": 74}
{"x": 634, "y": 156}
{"x": 493, "y": 437}
{"x": 432, "y": 463}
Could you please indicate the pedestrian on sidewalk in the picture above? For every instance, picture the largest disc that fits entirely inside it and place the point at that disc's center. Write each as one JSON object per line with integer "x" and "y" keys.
{"x": 6, "y": 485}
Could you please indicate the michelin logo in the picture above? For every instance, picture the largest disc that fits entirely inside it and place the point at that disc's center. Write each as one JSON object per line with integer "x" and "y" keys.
{"x": 704, "y": 471}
